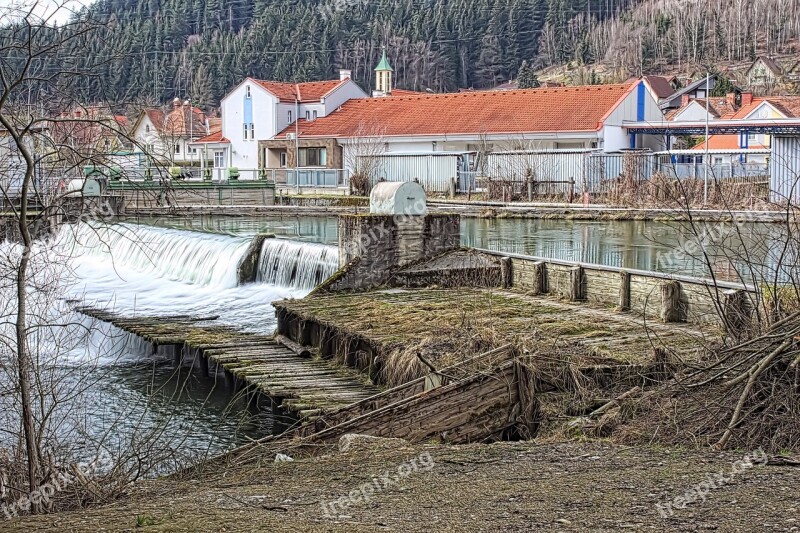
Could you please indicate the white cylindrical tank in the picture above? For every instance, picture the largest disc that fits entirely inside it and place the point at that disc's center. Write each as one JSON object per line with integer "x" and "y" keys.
{"x": 398, "y": 198}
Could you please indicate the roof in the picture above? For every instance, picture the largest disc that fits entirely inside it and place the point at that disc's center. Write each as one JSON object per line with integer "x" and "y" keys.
{"x": 788, "y": 105}
{"x": 569, "y": 109}
{"x": 214, "y": 137}
{"x": 404, "y": 92}
{"x": 311, "y": 91}
{"x": 660, "y": 85}
{"x": 384, "y": 64}
{"x": 719, "y": 106}
{"x": 181, "y": 120}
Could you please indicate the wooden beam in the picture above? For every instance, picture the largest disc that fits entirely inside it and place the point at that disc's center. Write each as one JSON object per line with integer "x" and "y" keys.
{"x": 540, "y": 278}
{"x": 577, "y": 284}
{"x": 624, "y": 291}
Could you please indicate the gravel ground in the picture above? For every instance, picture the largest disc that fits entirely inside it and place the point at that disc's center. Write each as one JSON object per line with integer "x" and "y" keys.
{"x": 501, "y": 487}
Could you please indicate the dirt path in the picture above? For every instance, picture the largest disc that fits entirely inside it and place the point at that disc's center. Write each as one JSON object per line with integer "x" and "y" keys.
{"x": 502, "y": 487}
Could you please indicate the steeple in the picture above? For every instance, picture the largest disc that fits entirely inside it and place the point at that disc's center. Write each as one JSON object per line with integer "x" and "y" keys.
{"x": 383, "y": 76}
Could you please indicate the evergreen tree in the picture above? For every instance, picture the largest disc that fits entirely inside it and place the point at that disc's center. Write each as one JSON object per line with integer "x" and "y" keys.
{"x": 526, "y": 77}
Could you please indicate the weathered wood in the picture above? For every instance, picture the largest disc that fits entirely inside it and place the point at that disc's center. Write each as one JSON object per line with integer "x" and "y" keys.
{"x": 298, "y": 349}
{"x": 577, "y": 283}
{"x": 736, "y": 309}
{"x": 673, "y": 306}
{"x": 506, "y": 273}
{"x": 256, "y": 364}
{"x": 624, "y": 291}
{"x": 540, "y": 278}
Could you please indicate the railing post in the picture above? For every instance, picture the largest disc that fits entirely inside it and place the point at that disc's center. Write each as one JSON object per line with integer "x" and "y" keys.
{"x": 673, "y": 307}
{"x": 577, "y": 278}
{"x": 540, "y": 278}
{"x": 506, "y": 273}
{"x": 625, "y": 291}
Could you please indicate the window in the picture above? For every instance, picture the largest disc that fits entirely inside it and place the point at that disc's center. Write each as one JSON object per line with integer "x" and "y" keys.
{"x": 247, "y": 92}
{"x": 248, "y": 131}
{"x": 752, "y": 137}
{"x": 283, "y": 160}
{"x": 314, "y": 116}
{"x": 147, "y": 128}
{"x": 313, "y": 157}
{"x": 219, "y": 158}
{"x": 290, "y": 116}
{"x": 177, "y": 148}
{"x": 308, "y": 115}
{"x": 107, "y": 145}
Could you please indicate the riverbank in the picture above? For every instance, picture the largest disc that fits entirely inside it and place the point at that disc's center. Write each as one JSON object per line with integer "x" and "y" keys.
{"x": 520, "y": 486}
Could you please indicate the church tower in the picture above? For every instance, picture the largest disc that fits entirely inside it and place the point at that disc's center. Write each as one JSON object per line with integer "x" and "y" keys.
{"x": 383, "y": 77}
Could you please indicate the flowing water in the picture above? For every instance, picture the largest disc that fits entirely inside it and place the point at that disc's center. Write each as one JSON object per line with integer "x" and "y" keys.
{"x": 188, "y": 266}
{"x": 123, "y": 395}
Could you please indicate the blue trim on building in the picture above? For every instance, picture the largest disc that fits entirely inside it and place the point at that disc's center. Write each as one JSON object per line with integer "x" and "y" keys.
{"x": 248, "y": 110}
{"x": 640, "y": 101}
{"x": 633, "y": 141}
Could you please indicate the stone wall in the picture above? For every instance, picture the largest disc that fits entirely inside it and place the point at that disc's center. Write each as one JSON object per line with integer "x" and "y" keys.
{"x": 372, "y": 246}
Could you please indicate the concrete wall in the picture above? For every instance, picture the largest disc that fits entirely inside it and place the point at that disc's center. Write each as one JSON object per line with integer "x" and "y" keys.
{"x": 604, "y": 286}
{"x": 371, "y": 246}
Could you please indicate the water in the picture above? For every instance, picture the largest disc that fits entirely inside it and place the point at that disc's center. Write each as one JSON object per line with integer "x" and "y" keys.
{"x": 634, "y": 244}
{"x": 121, "y": 395}
{"x": 188, "y": 266}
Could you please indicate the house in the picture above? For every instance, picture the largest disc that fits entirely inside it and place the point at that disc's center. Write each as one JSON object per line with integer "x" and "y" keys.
{"x": 692, "y": 91}
{"x": 167, "y": 135}
{"x": 454, "y": 128}
{"x": 256, "y": 110}
{"x": 719, "y": 107}
{"x": 90, "y": 134}
{"x": 752, "y": 108}
{"x": 764, "y": 74}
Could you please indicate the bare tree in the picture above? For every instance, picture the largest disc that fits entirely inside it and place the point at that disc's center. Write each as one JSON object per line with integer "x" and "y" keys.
{"x": 362, "y": 156}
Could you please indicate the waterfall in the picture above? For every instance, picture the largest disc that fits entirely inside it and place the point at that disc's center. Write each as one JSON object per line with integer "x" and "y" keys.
{"x": 299, "y": 265}
{"x": 186, "y": 256}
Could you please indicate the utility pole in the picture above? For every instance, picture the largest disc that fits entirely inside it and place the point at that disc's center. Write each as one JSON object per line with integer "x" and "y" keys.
{"x": 705, "y": 158}
{"x": 297, "y": 139}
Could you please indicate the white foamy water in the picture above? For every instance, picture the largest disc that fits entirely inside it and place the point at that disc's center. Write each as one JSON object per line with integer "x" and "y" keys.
{"x": 296, "y": 264}
{"x": 157, "y": 271}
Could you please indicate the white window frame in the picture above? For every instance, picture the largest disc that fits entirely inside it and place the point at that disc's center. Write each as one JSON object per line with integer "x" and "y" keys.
{"x": 219, "y": 158}
{"x": 283, "y": 159}
{"x": 247, "y": 93}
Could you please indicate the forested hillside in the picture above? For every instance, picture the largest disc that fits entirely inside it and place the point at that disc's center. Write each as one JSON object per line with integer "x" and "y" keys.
{"x": 154, "y": 50}
{"x": 201, "y": 48}
{"x": 667, "y": 35}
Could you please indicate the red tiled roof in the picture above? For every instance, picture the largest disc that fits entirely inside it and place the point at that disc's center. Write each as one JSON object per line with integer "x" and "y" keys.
{"x": 311, "y": 91}
{"x": 405, "y": 92}
{"x": 788, "y": 105}
{"x": 522, "y": 111}
{"x": 213, "y": 137}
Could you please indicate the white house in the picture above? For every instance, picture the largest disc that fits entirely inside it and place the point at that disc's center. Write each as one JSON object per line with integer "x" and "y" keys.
{"x": 257, "y": 110}
{"x": 168, "y": 135}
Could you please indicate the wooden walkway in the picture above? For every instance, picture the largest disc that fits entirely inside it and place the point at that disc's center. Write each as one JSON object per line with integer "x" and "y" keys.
{"x": 299, "y": 384}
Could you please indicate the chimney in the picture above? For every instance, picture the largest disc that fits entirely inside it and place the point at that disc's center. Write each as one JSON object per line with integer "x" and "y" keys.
{"x": 731, "y": 99}
{"x": 344, "y": 74}
{"x": 747, "y": 98}
{"x": 684, "y": 99}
